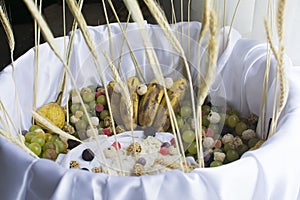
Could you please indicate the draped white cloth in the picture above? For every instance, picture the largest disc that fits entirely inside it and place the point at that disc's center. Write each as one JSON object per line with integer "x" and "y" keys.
{"x": 249, "y": 20}
{"x": 271, "y": 172}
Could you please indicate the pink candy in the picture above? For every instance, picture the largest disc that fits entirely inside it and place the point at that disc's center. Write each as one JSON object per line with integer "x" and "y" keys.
{"x": 218, "y": 144}
{"x": 164, "y": 151}
{"x": 99, "y": 94}
{"x": 209, "y": 132}
{"x": 117, "y": 145}
{"x": 106, "y": 131}
{"x": 99, "y": 107}
{"x": 173, "y": 142}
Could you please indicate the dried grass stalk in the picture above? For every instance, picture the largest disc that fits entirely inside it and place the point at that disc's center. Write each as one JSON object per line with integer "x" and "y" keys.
{"x": 45, "y": 122}
{"x": 205, "y": 20}
{"x": 212, "y": 54}
{"x": 7, "y": 28}
{"x": 50, "y": 39}
{"x": 11, "y": 41}
{"x": 210, "y": 72}
{"x": 133, "y": 7}
{"x": 281, "y": 10}
{"x": 124, "y": 90}
{"x": 9, "y": 135}
{"x": 204, "y": 29}
{"x": 279, "y": 56}
{"x": 232, "y": 21}
{"x": 134, "y": 60}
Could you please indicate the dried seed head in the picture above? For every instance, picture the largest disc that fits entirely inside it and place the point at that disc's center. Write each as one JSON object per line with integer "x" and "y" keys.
{"x": 74, "y": 164}
{"x": 138, "y": 169}
{"x": 134, "y": 147}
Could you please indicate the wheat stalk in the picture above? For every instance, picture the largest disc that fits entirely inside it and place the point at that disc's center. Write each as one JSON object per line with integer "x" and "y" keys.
{"x": 37, "y": 34}
{"x": 45, "y": 122}
{"x": 281, "y": 10}
{"x": 173, "y": 12}
{"x": 7, "y": 28}
{"x": 270, "y": 41}
{"x": 124, "y": 89}
{"x": 232, "y": 21}
{"x": 160, "y": 18}
{"x": 224, "y": 23}
{"x": 156, "y": 12}
{"x": 189, "y": 30}
{"x": 109, "y": 30}
{"x": 154, "y": 64}
{"x": 279, "y": 55}
{"x": 210, "y": 71}
{"x": 9, "y": 137}
{"x": 50, "y": 39}
{"x": 205, "y": 20}
{"x": 134, "y": 60}
{"x": 7, "y": 134}
{"x": 123, "y": 45}
{"x": 204, "y": 28}
{"x": 264, "y": 104}
{"x": 11, "y": 41}
{"x": 63, "y": 87}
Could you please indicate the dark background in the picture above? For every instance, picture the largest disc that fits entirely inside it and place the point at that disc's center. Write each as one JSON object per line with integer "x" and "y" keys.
{"x": 23, "y": 29}
{"x": 23, "y": 25}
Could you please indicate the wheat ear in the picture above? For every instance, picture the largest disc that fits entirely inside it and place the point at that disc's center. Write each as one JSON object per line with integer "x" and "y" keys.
{"x": 279, "y": 55}
{"x": 204, "y": 28}
{"x": 50, "y": 39}
{"x": 160, "y": 18}
{"x": 7, "y": 28}
{"x": 210, "y": 71}
{"x": 8, "y": 135}
{"x": 124, "y": 89}
{"x": 11, "y": 41}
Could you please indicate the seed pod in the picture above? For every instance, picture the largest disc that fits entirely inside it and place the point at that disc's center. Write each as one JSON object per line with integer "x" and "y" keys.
{"x": 134, "y": 147}
{"x": 74, "y": 164}
{"x": 97, "y": 169}
{"x": 138, "y": 169}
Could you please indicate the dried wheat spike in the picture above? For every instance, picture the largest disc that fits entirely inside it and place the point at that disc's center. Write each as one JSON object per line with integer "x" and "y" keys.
{"x": 171, "y": 165}
{"x": 74, "y": 164}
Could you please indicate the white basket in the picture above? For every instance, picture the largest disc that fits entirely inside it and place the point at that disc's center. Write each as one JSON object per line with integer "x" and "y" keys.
{"x": 271, "y": 172}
